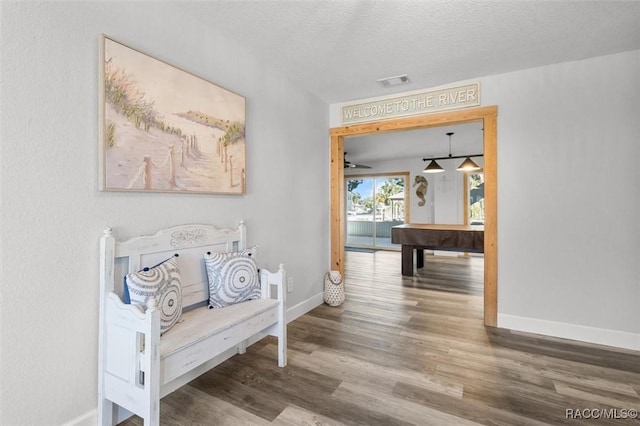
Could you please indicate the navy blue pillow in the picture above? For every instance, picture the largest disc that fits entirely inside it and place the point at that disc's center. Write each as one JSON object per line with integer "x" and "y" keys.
{"x": 125, "y": 292}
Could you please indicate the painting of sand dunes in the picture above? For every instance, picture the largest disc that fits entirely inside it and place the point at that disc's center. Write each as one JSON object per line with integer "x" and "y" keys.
{"x": 163, "y": 129}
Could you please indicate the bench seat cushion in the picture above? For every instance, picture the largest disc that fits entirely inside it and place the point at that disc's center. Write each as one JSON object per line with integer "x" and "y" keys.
{"x": 201, "y": 323}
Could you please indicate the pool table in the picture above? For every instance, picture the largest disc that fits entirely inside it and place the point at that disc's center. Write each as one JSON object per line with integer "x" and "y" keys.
{"x": 421, "y": 236}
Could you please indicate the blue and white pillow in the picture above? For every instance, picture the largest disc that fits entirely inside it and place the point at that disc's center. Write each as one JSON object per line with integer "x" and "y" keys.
{"x": 163, "y": 283}
{"x": 233, "y": 277}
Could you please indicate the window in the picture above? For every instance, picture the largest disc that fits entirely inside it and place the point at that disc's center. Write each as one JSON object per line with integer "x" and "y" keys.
{"x": 474, "y": 198}
{"x": 374, "y": 204}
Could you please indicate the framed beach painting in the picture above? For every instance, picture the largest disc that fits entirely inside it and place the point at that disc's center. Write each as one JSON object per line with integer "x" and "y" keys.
{"x": 163, "y": 129}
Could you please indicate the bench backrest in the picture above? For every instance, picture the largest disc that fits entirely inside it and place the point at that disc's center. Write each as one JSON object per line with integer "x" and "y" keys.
{"x": 190, "y": 242}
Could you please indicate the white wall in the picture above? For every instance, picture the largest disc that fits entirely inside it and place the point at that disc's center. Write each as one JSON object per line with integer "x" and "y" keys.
{"x": 568, "y": 198}
{"x": 52, "y": 213}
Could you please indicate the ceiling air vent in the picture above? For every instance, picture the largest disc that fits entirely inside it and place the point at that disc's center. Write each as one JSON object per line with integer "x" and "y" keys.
{"x": 394, "y": 81}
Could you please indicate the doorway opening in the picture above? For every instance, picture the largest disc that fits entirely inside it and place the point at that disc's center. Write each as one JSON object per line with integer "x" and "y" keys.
{"x": 489, "y": 117}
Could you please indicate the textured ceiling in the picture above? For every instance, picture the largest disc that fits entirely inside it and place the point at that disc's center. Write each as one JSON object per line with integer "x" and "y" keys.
{"x": 338, "y": 49}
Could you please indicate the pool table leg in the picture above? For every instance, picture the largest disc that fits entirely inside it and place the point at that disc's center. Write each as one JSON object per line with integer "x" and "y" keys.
{"x": 407, "y": 260}
{"x": 419, "y": 258}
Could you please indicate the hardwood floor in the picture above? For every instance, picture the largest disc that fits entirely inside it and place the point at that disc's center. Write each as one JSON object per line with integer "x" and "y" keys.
{"x": 410, "y": 351}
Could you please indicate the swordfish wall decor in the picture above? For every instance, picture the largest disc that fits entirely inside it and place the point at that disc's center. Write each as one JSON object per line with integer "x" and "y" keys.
{"x": 165, "y": 130}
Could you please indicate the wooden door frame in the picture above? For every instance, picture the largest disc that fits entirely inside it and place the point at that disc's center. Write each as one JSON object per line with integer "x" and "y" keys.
{"x": 489, "y": 117}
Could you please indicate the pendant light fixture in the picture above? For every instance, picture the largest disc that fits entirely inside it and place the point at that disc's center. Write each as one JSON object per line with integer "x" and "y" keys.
{"x": 467, "y": 165}
{"x": 433, "y": 167}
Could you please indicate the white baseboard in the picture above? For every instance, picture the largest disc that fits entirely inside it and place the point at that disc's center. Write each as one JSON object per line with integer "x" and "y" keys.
{"x": 601, "y": 336}
{"x": 305, "y": 306}
{"x": 87, "y": 419}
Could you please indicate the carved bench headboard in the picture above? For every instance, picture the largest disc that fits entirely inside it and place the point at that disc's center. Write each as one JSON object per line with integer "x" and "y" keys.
{"x": 190, "y": 242}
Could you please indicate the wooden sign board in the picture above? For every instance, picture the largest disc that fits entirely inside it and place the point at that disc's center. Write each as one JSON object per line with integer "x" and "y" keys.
{"x": 429, "y": 101}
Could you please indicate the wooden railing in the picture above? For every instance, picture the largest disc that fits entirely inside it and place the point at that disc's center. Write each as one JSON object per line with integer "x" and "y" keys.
{"x": 364, "y": 228}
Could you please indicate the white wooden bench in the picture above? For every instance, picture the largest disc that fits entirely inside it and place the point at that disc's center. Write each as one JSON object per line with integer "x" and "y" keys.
{"x": 136, "y": 366}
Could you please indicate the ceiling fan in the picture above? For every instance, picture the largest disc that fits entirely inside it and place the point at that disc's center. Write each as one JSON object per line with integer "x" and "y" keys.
{"x": 350, "y": 165}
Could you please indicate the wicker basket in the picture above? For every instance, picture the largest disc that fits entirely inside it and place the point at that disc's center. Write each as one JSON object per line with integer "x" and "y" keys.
{"x": 333, "y": 288}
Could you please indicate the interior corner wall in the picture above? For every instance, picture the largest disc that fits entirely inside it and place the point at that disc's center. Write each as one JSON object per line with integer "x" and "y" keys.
{"x": 568, "y": 198}
{"x": 53, "y": 214}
